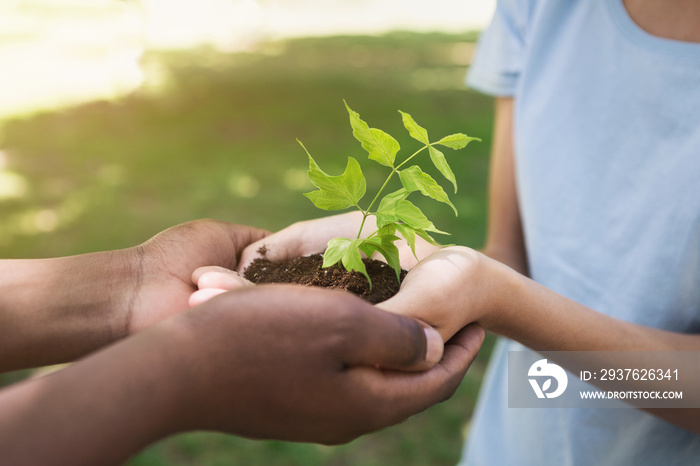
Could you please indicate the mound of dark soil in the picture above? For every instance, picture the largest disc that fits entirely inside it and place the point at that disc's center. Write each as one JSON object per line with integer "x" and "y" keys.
{"x": 308, "y": 271}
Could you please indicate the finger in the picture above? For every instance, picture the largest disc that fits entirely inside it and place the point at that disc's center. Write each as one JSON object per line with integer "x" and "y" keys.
{"x": 393, "y": 342}
{"x": 304, "y": 238}
{"x": 210, "y": 268}
{"x": 462, "y": 349}
{"x": 224, "y": 279}
{"x": 408, "y": 393}
{"x": 241, "y": 236}
{"x": 408, "y": 301}
{"x": 460, "y": 352}
{"x": 202, "y": 296}
{"x": 277, "y": 247}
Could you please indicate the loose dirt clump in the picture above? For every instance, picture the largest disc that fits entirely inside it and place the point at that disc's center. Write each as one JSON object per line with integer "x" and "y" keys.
{"x": 308, "y": 271}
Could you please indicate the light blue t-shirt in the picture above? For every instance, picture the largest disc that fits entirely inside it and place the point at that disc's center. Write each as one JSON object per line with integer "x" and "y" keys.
{"x": 607, "y": 137}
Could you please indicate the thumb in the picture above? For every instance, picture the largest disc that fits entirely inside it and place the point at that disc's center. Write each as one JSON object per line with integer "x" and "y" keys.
{"x": 303, "y": 238}
{"x": 395, "y": 342}
{"x": 277, "y": 247}
{"x": 426, "y": 295}
{"x": 409, "y": 301}
{"x": 218, "y": 277}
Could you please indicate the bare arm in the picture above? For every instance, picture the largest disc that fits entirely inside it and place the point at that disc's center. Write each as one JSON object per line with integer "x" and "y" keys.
{"x": 56, "y": 310}
{"x": 504, "y": 240}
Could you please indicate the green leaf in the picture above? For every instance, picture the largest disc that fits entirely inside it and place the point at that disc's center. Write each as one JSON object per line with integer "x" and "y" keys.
{"x": 336, "y": 192}
{"x": 412, "y": 216}
{"x": 409, "y": 235}
{"x": 386, "y": 239}
{"x": 385, "y": 205}
{"x": 383, "y": 242}
{"x": 382, "y": 147}
{"x": 386, "y": 212}
{"x": 440, "y": 163}
{"x": 347, "y": 252}
{"x": 456, "y": 141}
{"x": 414, "y": 179}
{"x": 335, "y": 250}
{"x": 426, "y": 237}
{"x": 395, "y": 196}
{"x": 387, "y": 231}
{"x": 406, "y": 212}
{"x": 416, "y": 131}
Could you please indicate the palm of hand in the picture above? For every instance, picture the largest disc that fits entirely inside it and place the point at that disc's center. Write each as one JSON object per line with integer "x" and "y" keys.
{"x": 444, "y": 290}
{"x": 167, "y": 261}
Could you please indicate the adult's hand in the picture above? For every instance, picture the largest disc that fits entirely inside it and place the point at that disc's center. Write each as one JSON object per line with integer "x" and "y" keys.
{"x": 326, "y": 345}
{"x": 167, "y": 262}
{"x": 272, "y": 362}
{"x": 55, "y": 310}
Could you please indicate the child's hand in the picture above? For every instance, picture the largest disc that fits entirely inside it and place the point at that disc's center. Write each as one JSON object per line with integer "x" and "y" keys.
{"x": 449, "y": 289}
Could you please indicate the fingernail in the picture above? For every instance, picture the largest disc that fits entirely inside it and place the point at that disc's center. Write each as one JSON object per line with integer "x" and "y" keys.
{"x": 434, "y": 345}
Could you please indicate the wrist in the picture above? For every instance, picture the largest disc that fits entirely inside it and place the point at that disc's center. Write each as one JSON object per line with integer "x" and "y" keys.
{"x": 181, "y": 372}
{"x": 502, "y": 285}
{"x": 167, "y": 372}
{"x": 105, "y": 285}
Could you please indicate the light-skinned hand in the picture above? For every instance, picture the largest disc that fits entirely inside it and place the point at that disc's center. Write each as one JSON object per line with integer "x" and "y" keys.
{"x": 449, "y": 289}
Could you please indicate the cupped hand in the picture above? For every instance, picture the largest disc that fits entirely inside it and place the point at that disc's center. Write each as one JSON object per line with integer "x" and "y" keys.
{"x": 300, "y": 239}
{"x": 300, "y": 364}
{"x": 449, "y": 289}
{"x": 166, "y": 262}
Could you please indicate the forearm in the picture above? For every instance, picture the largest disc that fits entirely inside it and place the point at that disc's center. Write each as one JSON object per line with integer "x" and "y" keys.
{"x": 514, "y": 258}
{"x": 55, "y": 310}
{"x": 546, "y": 321}
{"x": 100, "y": 410}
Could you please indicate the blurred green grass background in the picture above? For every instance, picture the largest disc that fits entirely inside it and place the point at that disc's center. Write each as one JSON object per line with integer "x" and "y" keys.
{"x": 216, "y": 137}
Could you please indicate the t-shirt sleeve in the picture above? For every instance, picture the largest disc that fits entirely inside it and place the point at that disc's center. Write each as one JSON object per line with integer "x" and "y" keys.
{"x": 500, "y": 53}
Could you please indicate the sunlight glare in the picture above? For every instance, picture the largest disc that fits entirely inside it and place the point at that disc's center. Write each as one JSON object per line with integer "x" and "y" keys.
{"x": 55, "y": 53}
{"x": 243, "y": 185}
{"x": 12, "y": 185}
{"x": 295, "y": 179}
{"x": 46, "y": 220}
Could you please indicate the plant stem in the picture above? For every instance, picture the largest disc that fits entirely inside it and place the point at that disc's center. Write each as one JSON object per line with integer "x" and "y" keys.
{"x": 362, "y": 225}
{"x": 393, "y": 170}
{"x": 414, "y": 154}
{"x": 367, "y": 213}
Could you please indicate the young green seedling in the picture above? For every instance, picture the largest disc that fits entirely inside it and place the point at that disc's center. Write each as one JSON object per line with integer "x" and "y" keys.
{"x": 395, "y": 213}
